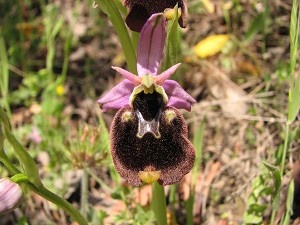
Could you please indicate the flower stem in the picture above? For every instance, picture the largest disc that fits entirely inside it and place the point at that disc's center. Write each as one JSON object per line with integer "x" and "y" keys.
{"x": 84, "y": 193}
{"x": 45, "y": 193}
{"x": 24, "y": 157}
{"x": 39, "y": 188}
{"x": 135, "y": 40}
{"x": 158, "y": 204}
{"x": 285, "y": 147}
{"x": 62, "y": 203}
{"x": 5, "y": 161}
{"x": 122, "y": 32}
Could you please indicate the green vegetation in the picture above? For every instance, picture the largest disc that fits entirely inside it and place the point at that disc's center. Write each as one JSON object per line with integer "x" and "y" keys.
{"x": 55, "y": 59}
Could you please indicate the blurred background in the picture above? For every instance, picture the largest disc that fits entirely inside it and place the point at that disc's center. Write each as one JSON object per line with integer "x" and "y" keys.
{"x": 55, "y": 62}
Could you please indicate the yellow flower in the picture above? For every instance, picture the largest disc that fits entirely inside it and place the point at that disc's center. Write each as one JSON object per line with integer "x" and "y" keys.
{"x": 211, "y": 45}
{"x": 60, "y": 90}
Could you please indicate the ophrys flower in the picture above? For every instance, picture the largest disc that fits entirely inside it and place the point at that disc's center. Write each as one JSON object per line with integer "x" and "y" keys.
{"x": 149, "y": 135}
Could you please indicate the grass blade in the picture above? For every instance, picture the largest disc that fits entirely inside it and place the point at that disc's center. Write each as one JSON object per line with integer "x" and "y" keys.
{"x": 198, "y": 142}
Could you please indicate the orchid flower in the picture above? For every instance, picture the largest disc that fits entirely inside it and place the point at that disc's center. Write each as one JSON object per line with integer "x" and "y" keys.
{"x": 141, "y": 10}
{"x": 148, "y": 134}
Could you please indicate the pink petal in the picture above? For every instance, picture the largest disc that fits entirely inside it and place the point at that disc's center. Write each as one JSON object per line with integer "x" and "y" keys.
{"x": 117, "y": 97}
{"x": 151, "y": 45}
{"x": 160, "y": 79}
{"x": 129, "y": 76}
{"x": 178, "y": 97}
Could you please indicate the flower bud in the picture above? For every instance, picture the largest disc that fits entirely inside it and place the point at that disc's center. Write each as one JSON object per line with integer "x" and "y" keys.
{"x": 10, "y": 195}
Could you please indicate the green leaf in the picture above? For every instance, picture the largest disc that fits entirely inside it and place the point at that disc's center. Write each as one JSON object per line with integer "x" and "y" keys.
{"x": 198, "y": 142}
{"x": 189, "y": 207}
{"x": 289, "y": 205}
{"x": 290, "y": 198}
{"x": 277, "y": 183}
{"x": 31, "y": 169}
{"x": 294, "y": 99}
{"x": 294, "y": 92}
{"x": 4, "y": 74}
{"x": 294, "y": 35}
{"x": 252, "y": 219}
{"x": 257, "y": 208}
{"x": 172, "y": 40}
{"x": 258, "y": 24}
{"x": 105, "y": 140}
{"x": 19, "y": 178}
{"x": 122, "y": 32}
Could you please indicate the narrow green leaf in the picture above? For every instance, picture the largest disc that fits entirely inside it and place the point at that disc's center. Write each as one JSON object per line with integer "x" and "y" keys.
{"x": 294, "y": 35}
{"x": 26, "y": 160}
{"x": 289, "y": 204}
{"x": 198, "y": 142}
{"x": 294, "y": 100}
{"x": 189, "y": 207}
{"x": 4, "y": 74}
{"x": 172, "y": 40}
{"x": 57, "y": 26}
{"x": 277, "y": 183}
{"x": 294, "y": 92}
{"x": 258, "y": 24}
{"x": 122, "y": 32}
{"x": 106, "y": 142}
{"x": 290, "y": 198}
{"x": 104, "y": 132}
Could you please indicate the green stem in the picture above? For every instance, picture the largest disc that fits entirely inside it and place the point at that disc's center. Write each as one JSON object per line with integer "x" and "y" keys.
{"x": 84, "y": 193}
{"x": 66, "y": 56}
{"x": 45, "y": 193}
{"x": 24, "y": 157}
{"x": 274, "y": 211}
{"x": 135, "y": 40}
{"x": 4, "y": 81}
{"x": 122, "y": 9}
{"x": 39, "y": 188}
{"x": 62, "y": 203}
{"x": 28, "y": 163}
{"x": 285, "y": 147}
{"x": 189, "y": 207}
{"x": 5, "y": 161}
{"x": 122, "y": 32}
{"x": 158, "y": 204}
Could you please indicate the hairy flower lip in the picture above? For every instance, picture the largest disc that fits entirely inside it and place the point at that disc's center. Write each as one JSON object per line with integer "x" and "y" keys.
{"x": 172, "y": 154}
